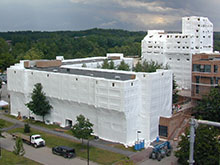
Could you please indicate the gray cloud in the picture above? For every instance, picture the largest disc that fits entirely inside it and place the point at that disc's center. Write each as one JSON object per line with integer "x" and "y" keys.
{"x": 84, "y": 14}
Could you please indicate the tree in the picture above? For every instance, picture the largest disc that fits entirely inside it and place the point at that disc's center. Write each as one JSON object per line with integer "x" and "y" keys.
{"x": 175, "y": 91}
{"x": 105, "y": 64}
{"x": 111, "y": 65}
{"x": 83, "y": 128}
{"x": 151, "y": 66}
{"x": 147, "y": 66}
{"x": 209, "y": 107}
{"x": 39, "y": 104}
{"x": 206, "y": 147}
{"x": 33, "y": 54}
{"x": 19, "y": 148}
{"x": 123, "y": 66}
{"x": 138, "y": 67}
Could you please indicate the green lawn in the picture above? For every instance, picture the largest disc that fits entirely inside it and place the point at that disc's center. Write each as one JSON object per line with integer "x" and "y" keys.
{"x": 11, "y": 116}
{"x": 7, "y": 124}
{"x": 8, "y": 158}
{"x": 53, "y": 127}
{"x": 39, "y": 123}
{"x": 96, "y": 154}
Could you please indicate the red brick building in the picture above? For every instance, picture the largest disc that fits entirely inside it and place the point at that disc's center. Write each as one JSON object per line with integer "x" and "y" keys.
{"x": 205, "y": 74}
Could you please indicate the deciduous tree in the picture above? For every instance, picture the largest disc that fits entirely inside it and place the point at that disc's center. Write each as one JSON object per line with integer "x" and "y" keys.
{"x": 209, "y": 107}
{"x": 206, "y": 147}
{"x": 83, "y": 128}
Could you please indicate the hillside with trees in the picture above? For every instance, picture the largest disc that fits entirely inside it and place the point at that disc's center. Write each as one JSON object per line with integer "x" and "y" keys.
{"x": 15, "y": 46}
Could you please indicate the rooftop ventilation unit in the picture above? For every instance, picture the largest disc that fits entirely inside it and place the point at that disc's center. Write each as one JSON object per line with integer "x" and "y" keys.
{"x": 117, "y": 77}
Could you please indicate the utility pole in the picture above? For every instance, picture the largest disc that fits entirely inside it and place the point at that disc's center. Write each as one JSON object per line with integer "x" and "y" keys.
{"x": 88, "y": 152}
{"x": 193, "y": 125}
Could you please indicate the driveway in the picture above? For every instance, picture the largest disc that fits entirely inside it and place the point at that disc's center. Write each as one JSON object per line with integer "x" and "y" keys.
{"x": 42, "y": 155}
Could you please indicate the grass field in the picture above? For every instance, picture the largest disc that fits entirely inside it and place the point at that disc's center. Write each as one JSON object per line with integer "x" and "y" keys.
{"x": 8, "y": 158}
{"x": 6, "y": 123}
{"x": 96, "y": 154}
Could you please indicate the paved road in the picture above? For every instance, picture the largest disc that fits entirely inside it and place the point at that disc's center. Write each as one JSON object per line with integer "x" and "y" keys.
{"x": 42, "y": 155}
{"x": 171, "y": 160}
{"x": 98, "y": 144}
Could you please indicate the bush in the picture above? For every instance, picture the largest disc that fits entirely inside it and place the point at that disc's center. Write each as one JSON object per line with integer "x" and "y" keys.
{"x": 27, "y": 128}
{"x": 18, "y": 148}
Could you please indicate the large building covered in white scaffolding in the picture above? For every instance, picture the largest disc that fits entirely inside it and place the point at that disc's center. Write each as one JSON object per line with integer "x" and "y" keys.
{"x": 176, "y": 49}
{"x": 118, "y": 103}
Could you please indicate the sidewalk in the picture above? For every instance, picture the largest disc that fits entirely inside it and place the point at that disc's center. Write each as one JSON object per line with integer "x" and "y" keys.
{"x": 97, "y": 144}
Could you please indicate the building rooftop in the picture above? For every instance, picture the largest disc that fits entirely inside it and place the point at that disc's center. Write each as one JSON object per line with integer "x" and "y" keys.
{"x": 87, "y": 72}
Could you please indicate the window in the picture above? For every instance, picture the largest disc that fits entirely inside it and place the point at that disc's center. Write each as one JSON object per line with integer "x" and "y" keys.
{"x": 163, "y": 131}
{"x": 216, "y": 68}
{"x": 216, "y": 80}
{"x": 132, "y": 84}
{"x": 207, "y": 68}
{"x": 196, "y": 67}
{"x": 76, "y": 79}
{"x": 197, "y": 89}
{"x": 14, "y": 71}
{"x": 113, "y": 84}
{"x": 48, "y": 75}
{"x": 197, "y": 79}
{"x": 211, "y": 80}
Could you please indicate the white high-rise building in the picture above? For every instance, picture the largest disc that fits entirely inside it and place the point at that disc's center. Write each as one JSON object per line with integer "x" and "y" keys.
{"x": 118, "y": 103}
{"x": 176, "y": 49}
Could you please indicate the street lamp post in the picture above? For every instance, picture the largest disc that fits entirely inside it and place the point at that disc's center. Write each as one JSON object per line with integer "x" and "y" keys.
{"x": 193, "y": 125}
{"x": 88, "y": 152}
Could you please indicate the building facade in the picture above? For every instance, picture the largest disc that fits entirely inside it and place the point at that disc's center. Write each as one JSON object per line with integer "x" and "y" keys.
{"x": 205, "y": 74}
{"x": 118, "y": 103}
{"x": 176, "y": 49}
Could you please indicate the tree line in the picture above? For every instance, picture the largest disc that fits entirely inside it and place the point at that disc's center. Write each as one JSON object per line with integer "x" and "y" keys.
{"x": 15, "y": 46}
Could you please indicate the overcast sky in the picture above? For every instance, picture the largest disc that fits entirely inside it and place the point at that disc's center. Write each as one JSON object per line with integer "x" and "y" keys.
{"x": 135, "y": 15}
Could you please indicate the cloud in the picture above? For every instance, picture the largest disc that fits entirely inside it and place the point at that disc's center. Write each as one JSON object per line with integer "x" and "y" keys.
{"x": 154, "y": 6}
{"x": 108, "y": 24}
{"x": 146, "y": 21}
{"x": 82, "y": 14}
